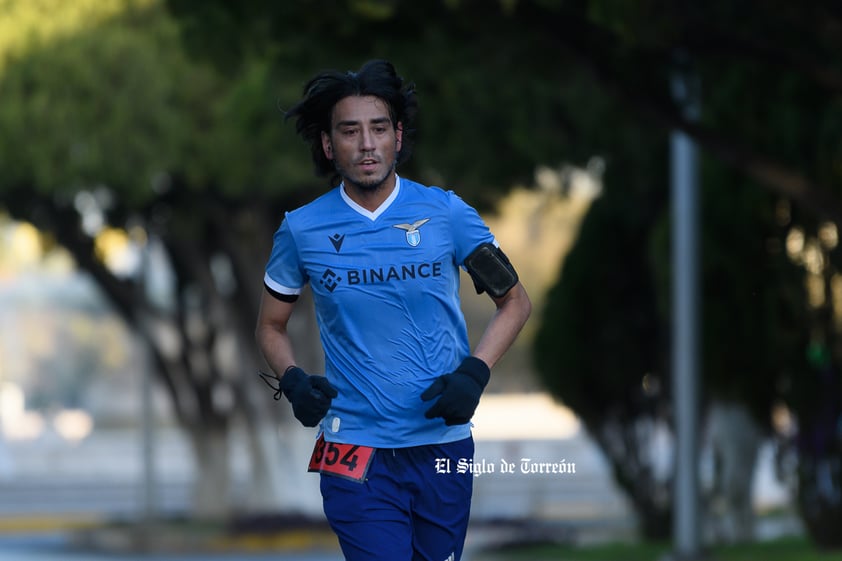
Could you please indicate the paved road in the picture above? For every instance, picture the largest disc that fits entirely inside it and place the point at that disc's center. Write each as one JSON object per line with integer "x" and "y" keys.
{"x": 55, "y": 547}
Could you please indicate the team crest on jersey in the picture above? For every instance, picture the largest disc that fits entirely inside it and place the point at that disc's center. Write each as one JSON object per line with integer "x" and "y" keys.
{"x": 413, "y": 235}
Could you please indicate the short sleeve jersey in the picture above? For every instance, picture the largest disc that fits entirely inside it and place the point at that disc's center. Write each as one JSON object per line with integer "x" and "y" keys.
{"x": 386, "y": 291}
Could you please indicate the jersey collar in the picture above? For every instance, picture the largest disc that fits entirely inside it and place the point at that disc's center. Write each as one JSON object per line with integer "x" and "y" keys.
{"x": 372, "y": 215}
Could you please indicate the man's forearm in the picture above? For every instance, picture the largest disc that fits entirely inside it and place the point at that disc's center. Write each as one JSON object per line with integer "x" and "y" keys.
{"x": 276, "y": 347}
{"x": 511, "y": 315}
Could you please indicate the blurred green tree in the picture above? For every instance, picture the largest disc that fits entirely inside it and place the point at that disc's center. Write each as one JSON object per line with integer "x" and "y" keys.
{"x": 106, "y": 126}
{"x": 188, "y": 158}
{"x": 770, "y": 114}
{"x": 770, "y": 117}
{"x": 504, "y": 87}
{"x": 504, "y": 64}
{"x": 600, "y": 347}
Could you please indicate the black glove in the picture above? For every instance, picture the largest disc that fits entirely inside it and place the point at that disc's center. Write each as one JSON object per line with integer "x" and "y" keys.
{"x": 310, "y": 395}
{"x": 460, "y": 391}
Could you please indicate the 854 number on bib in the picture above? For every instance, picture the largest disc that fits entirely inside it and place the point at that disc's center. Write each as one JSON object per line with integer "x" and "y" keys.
{"x": 344, "y": 460}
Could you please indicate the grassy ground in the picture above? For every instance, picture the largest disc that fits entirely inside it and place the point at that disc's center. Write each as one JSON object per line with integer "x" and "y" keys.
{"x": 788, "y": 549}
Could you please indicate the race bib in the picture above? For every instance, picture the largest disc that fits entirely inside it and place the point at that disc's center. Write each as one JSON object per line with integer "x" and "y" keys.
{"x": 343, "y": 460}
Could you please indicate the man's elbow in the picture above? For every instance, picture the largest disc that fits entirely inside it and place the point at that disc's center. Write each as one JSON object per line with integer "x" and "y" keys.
{"x": 524, "y": 302}
{"x": 518, "y": 301}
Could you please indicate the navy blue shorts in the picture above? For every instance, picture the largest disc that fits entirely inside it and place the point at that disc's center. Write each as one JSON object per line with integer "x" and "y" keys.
{"x": 409, "y": 508}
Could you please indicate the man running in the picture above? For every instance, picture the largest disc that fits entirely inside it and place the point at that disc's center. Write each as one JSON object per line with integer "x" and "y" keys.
{"x": 382, "y": 256}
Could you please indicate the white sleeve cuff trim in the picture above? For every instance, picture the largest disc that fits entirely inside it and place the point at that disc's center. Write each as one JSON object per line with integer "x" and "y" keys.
{"x": 278, "y": 287}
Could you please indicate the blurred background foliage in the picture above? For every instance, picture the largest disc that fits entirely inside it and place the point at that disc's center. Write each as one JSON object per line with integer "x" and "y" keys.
{"x": 162, "y": 122}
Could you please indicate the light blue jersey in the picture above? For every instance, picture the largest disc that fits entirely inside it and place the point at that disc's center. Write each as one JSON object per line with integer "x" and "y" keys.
{"x": 386, "y": 291}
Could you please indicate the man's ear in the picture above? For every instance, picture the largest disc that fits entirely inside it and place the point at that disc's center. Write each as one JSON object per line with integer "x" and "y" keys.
{"x": 327, "y": 146}
{"x": 398, "y": 136}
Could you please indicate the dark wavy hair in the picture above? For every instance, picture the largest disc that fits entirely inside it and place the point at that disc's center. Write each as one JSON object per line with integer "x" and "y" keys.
{"x": 376, "y": 77}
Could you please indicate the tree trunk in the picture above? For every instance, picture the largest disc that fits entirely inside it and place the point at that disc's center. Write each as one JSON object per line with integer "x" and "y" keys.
{"x": 281, "y": 482}
{"x": 820, "y": 499}
{"x": 735, "y": 441}
{"x": 629, "y": 447}
{"x": 819, "y": 444}
{"x": 278, "y": 445}
{"x": 212, "y": 486}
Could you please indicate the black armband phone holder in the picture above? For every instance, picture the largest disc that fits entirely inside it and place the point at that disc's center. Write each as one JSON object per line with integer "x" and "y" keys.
{"x": 491, "y": 270}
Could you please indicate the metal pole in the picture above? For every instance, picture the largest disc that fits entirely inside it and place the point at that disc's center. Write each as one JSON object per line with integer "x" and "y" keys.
{"x": 149, "y": 496}
{"x": 685, "y": 320}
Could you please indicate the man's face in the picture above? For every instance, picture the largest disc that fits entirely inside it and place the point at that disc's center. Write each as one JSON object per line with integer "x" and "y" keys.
{"x": 363, "y": 142}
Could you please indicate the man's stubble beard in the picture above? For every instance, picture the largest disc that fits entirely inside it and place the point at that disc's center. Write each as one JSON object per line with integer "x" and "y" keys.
{"x": 369, "y": 186}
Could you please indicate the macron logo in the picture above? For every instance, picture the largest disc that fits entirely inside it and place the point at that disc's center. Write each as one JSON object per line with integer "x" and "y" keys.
{"x": 337, "y": 240}
{"x": 451, "y": 557}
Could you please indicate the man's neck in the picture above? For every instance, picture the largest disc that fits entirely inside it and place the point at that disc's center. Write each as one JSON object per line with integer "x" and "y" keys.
{"x": 371, "y": 199}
